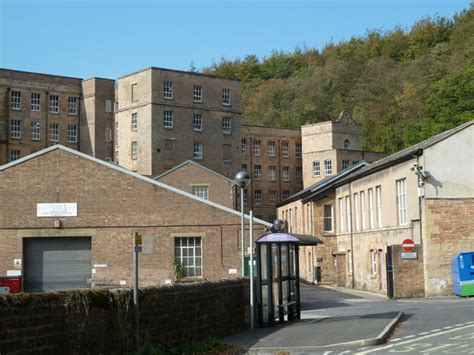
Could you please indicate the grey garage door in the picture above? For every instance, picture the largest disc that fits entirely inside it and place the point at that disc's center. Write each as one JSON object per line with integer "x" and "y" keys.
{"x": 56, "y": 263}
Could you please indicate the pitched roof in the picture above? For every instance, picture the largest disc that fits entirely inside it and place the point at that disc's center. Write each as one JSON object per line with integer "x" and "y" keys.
{"x": 405, "y": 154}
{"x": 186, "y": 162}
{"x": 130, "y": 173}
{"x": 323, "y": 185}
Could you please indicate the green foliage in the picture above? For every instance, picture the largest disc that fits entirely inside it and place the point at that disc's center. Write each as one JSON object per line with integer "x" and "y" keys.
{"x": 401, "y": 85}
{"x": 178, "y": 269}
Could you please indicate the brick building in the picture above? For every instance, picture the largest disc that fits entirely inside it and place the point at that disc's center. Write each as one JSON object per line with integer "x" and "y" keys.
{"x": 88, "y": 242}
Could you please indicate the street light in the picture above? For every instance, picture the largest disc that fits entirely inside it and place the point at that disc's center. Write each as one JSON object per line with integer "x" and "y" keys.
{"x": 242, "y": 178}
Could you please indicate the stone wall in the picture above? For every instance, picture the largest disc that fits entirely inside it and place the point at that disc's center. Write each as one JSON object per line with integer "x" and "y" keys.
{"x": 101, "y": 321}
{"x": 408, "y": 275}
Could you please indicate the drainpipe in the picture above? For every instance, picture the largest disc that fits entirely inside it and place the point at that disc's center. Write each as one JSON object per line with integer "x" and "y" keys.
{"x": 352, "y": 234}
{"x": 7, "y": 127}
{"x": 420, "y": 197}
{"x": 47, "y": 119}
{"x": 79, "y": 123}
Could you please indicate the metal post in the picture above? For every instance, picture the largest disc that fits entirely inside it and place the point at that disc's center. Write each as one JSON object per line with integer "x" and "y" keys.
{"x": 252, "y": 311}
{"x": 135, "y": 289}
{"x": 242, "y": 237}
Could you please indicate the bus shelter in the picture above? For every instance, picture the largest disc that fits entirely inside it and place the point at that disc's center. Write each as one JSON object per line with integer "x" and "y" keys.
{"x": 278, "y": 290}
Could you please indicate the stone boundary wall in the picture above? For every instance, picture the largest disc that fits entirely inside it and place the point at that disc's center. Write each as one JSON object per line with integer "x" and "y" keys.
{"x": 408, "y": 275}
{"x": 101, "y": 321}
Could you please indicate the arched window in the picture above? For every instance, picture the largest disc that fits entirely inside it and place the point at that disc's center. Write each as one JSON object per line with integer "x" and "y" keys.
{"x": 346, "y": 144}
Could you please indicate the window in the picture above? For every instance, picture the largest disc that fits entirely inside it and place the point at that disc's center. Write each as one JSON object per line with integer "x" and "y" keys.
{"x": 285, "y": 194}
{"x": 168, "y": 119}
{"x": 348, "y": 213}
{"x": 357, "y": 211}
{"x": 168, "y": 89}
{"x": 108, "y": 106}
{"x": 72, "y": 133}
{"x": 285, "y": 176}
{"x": 108, "y": 134}
{"x": 256, "y": 147}
{"x": 226, "y": 125}
{"x": 402, "y": 201}
{"x": 373, "y": 261}
{"x": 15, "y": 129}
{"x": 378, "y": 193}
{"x": 354, "y": 162}
{"x": 197, "y": 93}
{"x": 245, "y": 196}
{"x": 328, "y": 212}
{"x": 133, "y": 92}
{"x": 285, "y": 150}
{"x": 328, "y": 167}
{"x": 299, "y": 174}
{"x": 72, "y": 105}
{"x": 54, "y": 132}
{"x": 35, "y": 101}
{"x": 134, "y": 151}
{"x": 15, "y": 100}
{"x": 272, "y": 197}
{"x": 316, "y": 168}
{"x": 226, "y": 97}
{"x": 188, "y": 251}
{"x": 201, "y": 191}
{"x": 14, "y": 155}
{"x": 271, "y": 172}
{"x": 341, "y": 215}
{"x": 243, "y": 146}
{"x": 197, "y": 151}
{"x": 346, "y": 144}
{"x": 362, "y": 210}
{"x": 349, "y": 260}
{"x": 257, "y": 172}
{"x": 271, "y": 148}
{"x": 244, "y": 167}
{"x": 134, "y": 121}
{"x": 197, "y": 122}
{"x": 257, "y": 197}
{"x": 345, "y": 164}
{"x": 35, "y": 131}
{"x": 371, "y": 209}
{"x": 54, "y": 103}
{"x": 298, "y": 150}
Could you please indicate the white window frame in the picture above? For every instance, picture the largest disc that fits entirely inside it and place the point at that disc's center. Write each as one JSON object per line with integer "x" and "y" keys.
{"x": 345, "y": 163}
{"x": 357, "y": 211}
{"x": 35, "y": 101}
{"x": 363, "y": 211}
{"x": 373, "y": 261}
{"x": 197, "y": 93}
{"x": 192, "y": 261}
{"x": 285, "y": 150}
{"x": 168, "y": 89}
{"x": 272, "y": 197}
{"x": 197, "y": 122}
{"x": 72, "y": 105}
{"x": 54, "y": 103}
{"x": 15, "y": 129}
{"x": 371, "y": 209}
{"x": 271, "y": 148}
{"x": 316, "y": 168}
{"x": 226, "y": 97}
{"x": 243, "y": 146}
{"x": 134, "y": 151}
{"x": 402, "y": 207}
{"x": 329, "y": 218}
{"x": 54, "y": 132}
{"x": 378, "y": 193}
{"x": 168, "y": 119}
{"x": 328, "y": 167}
{"x": 108, "y": 135}
{"x": 201, "y": 191}
{"x": 15, "y": 154}
{"x": 256, "y": 148}
{"x": 348, "y": 213}
{"x": 134, "y": 122}
{"x": 298, "y": 150}
{"x": 198, "y": 151}
{"x": 285, "y": 173}
{"x": 35, "y": 132}
{"x": 272, "y": 173}
{"x": 15, "y": 99}
{"x": 257, "y": 197}
{"x": 341, "y": 214}
{"x": 257, "y": 172}
{"x": 226, "y": 125}
{"x": 72, "y": 133}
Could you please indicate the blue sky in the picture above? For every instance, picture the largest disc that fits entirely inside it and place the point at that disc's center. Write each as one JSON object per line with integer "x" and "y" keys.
{"x": 109, "y": 38}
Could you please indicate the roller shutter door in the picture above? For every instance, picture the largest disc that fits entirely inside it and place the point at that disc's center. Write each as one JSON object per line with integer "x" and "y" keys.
{"x": 56, "y": 263}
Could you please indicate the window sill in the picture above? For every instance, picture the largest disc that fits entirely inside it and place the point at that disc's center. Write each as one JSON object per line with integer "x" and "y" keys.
{"x": 15, "y": 108}
{"x": 17, "y": 138}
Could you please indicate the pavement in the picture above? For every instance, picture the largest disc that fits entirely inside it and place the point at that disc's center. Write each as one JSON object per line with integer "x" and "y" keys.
{"x": 347, "y": 321}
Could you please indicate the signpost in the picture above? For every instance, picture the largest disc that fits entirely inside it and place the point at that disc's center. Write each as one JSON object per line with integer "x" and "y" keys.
{"x": 137, "y": 248}
{"x": 409, "y": 252}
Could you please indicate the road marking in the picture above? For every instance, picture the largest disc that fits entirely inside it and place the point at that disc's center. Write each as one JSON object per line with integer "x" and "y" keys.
{"x": 435, "y": 330}
{"x": 345, "y": 352}
{"x": 327, "y": 352}
{"x": 449, "y": 327}
{"x": 459, "y": 324}
{"x": 424, "y": 333}
{"x": 409, "y": 336}
{"x": 417, "y": 339}
{"x": 396, "y": 339}
{"x": 436, "y": 348}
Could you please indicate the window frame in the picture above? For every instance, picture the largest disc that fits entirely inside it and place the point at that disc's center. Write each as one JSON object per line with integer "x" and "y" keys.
{"x": 134, "y": 122}
{"x": 35, "y": 130}
{"x": 272, "y": 173}
{"x": 298, "y": 150}
{"x": 257, "y": 172}
{"x": 257, "y": 197}
{"x": 54, "y": 132}
{"x": 134, "y": 151}
{"x": 402, "y": 200}
{"x": 168, "y": 90}
{"x": 108, "y": 134}
{"x": 327, "y": 167}
{"x": 168, "y": 119}
{"x": 72, "y": 133}
{"x": 329, "y": 218}
{"x": 271, "y": 148}
{"x": 197, "y": 93}
{"x": 197, "y": 126}
{"x": 53, "y": 103}
{"x": 226, "y": 97}
{"x": 72, "y": 107}
{"x": 256, "y": 148}
{"x": 198, "y": 151}
{"x": 226, "y": 125}
{"x": 15, "y": 100}
{"x": 316, "y": 171}
{"x": 201, "y": 191}
{"x": 243, "y": 146}
{"x": 35, "y": 101}
{"x": 15, "y": 154}
{"x": 197, "y": 264}
{"x": 285, "y": 173}
{"x": 378, "y": 196}
{"x": 15, "y": 129}
{"x": 285, "y": 150}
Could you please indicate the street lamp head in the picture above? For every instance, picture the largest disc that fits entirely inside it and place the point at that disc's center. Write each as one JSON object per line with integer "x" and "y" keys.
{"x": 242, "y": 178}
{"x": 278, "y": 225}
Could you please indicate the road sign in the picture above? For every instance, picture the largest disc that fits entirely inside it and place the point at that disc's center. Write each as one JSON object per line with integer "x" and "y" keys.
{"x": 138, "y": 240}
{"x": 408, "y": 245}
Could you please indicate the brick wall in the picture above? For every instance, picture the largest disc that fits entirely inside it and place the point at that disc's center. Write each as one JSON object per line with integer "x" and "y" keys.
{"x": 408, "y": 275}
{"x": 100, "y": 321}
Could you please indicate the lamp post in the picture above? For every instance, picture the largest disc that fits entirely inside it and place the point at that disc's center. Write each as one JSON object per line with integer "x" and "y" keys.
{"x": 242, "y": 178}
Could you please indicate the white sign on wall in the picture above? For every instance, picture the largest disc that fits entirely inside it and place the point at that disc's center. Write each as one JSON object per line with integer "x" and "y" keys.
{"x": 56, "y": 210}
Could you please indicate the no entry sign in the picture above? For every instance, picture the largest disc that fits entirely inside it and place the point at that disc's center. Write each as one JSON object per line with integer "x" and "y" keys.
{"x": 408, "y": 245}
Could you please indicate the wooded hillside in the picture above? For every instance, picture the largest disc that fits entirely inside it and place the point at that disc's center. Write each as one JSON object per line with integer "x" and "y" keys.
{"x": 401, "y": 85}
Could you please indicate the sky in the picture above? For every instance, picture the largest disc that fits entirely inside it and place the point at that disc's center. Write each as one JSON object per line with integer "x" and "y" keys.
{"x": 110, "y": 38}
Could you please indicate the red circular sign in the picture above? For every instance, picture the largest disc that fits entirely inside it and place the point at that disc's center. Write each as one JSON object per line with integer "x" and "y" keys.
{"x": 408, "y": 245}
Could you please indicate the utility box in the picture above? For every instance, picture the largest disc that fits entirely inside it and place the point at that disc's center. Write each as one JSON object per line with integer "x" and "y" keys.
{"x": 13, "y": 283}
{"x": 462, "y": 271}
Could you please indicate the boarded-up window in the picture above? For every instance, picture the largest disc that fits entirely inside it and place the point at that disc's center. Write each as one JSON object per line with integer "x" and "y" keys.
{"x": 169, "y": 148}
{"x": 227, "y": 151}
